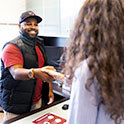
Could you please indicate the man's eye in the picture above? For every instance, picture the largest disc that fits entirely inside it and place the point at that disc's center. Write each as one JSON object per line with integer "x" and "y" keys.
{"x": 28, "y": 24}
{"x": 36, "y": 24}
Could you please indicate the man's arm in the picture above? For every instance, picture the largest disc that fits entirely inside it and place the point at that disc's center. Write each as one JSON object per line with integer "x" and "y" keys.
{"x": 20, "y": 73}
{"x": 51, "y": 95}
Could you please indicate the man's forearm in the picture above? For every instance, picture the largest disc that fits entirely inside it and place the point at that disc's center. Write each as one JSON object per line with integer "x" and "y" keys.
{"x": 50, "y": 87}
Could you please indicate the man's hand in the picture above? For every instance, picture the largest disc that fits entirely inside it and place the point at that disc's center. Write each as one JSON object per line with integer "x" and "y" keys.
{"x": 51, "y": 98}
{"x": 48, "y": 68}
{"x": 43, "y": 75}
{"x": 52, "y": 72}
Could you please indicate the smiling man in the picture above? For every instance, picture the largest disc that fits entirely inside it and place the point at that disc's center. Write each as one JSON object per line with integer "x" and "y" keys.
{"x": 22, "y": 81}
{"x": 29, "y": 24}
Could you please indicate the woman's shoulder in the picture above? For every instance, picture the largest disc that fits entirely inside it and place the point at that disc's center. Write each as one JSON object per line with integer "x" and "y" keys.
{"x": 83, "y": 68}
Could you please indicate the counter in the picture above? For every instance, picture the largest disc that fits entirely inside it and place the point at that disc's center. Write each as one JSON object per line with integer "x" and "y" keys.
{"x": 55, "y": 108}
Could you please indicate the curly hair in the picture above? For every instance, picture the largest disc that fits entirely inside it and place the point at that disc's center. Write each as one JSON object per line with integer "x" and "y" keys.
{"x": 98, "y": 34}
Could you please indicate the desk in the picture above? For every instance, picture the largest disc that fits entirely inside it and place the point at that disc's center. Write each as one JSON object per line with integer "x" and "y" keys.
{"x": 27, "y": 119}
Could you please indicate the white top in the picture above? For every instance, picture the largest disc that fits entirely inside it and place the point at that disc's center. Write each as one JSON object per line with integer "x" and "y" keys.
{"x": 83, "y": 107}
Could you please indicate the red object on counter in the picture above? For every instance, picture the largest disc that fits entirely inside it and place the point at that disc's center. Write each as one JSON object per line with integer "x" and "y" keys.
{"x": 50, "y": 118}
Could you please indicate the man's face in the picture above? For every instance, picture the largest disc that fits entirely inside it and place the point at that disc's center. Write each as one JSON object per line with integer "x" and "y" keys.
{"x": 29, "y": 26}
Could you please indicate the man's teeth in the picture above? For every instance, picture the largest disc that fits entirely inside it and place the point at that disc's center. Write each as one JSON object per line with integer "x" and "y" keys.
{"x": 33, "y": 32}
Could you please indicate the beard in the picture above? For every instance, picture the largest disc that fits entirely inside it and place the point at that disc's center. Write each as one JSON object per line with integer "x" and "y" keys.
{"x": 29, "y": 35}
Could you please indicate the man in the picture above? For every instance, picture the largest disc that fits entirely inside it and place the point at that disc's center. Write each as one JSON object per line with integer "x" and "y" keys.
{"x": 22, "y": 81}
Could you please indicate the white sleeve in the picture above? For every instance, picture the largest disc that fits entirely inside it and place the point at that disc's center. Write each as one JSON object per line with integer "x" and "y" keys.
{"x": 82, "y": 109}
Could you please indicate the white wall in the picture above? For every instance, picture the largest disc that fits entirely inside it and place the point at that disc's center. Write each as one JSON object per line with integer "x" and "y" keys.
{"x": 58, "y": 15}
{"x": 69, "y": 12}
{"x": 49, "y": 10}
{"x": 10, "y": 10}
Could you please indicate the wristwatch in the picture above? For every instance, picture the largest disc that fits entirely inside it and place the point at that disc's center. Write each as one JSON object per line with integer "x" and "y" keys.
{"x": 31, "y": 74}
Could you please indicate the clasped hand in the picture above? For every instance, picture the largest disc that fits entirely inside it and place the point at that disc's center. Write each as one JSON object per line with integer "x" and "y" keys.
{"x": 50, "y": 70}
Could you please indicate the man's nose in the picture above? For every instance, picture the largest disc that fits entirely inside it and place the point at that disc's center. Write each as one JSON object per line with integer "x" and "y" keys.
{"x": 33, "y": 26}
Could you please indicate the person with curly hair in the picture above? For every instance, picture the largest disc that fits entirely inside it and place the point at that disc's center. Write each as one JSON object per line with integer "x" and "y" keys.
{"x": 94, "y": 64}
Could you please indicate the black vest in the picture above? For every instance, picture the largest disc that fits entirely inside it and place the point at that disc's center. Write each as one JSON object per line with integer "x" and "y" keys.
{"x": 16, "y": 96}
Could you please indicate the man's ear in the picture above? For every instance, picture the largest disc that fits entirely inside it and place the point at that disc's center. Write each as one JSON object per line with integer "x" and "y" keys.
{"x": 19, "y": 26}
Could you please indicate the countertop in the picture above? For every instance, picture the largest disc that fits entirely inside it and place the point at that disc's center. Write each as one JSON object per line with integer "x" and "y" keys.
{"x": 55, "y": 108}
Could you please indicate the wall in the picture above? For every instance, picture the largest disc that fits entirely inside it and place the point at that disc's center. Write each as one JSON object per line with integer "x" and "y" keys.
{"x": 58, "y": 15}
{"x": 10, "y": 11}
{"x": 69, "y": 12}
{"x": 49, "y": 10}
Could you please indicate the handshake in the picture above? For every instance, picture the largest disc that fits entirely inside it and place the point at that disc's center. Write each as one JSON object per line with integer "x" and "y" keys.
{"x": 50, "y": 70}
